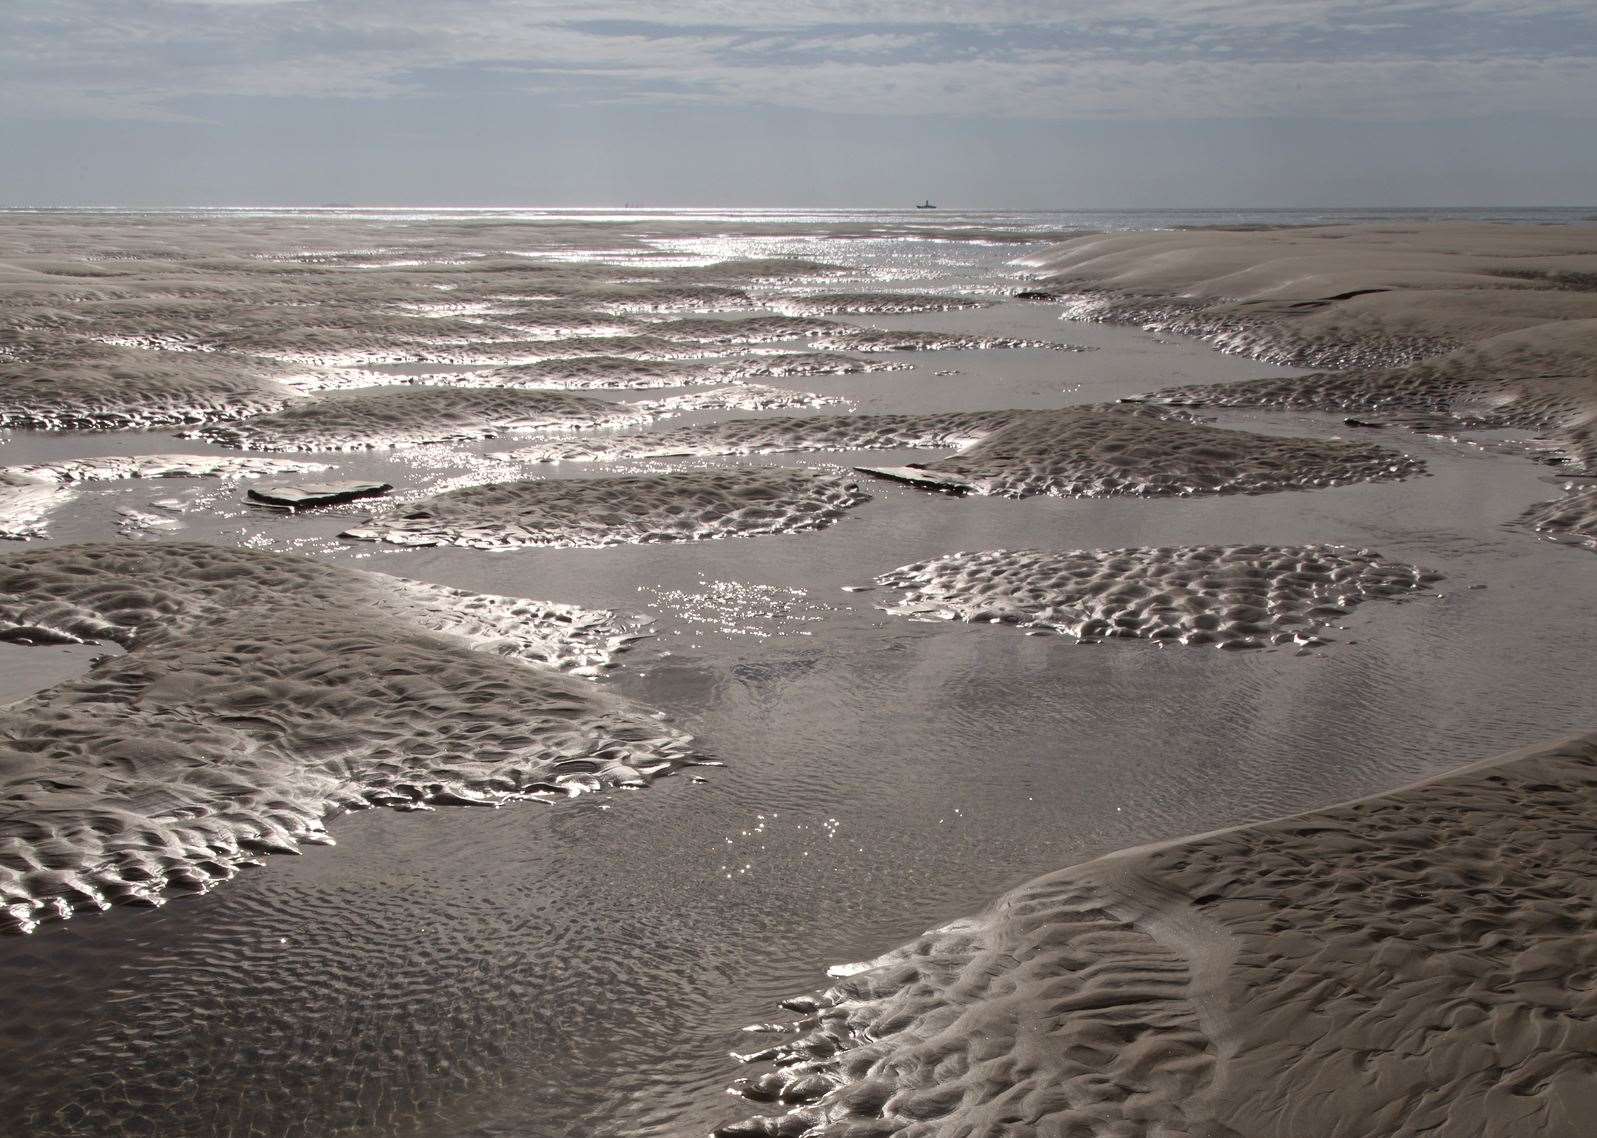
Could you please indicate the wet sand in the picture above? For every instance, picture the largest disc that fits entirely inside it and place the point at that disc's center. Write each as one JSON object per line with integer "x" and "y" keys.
{"x": 584, "y": 969}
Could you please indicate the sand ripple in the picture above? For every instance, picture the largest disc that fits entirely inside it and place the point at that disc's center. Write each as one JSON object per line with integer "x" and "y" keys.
{"x": 690, "y": 506}
{"x": 876, "y": 340}
{"x": 410, "y": 416}
{"x": 1091, "y": 453}
{"x": 1412, "y": 963}
{"x": 81, "y": 385}
{"x": 828, "y": 303}
{"x": 1230, "y": 596}
{"x": 258, "y": 693}
{"x": 1572, "y": 517}
{"x": 1088, "y": 451}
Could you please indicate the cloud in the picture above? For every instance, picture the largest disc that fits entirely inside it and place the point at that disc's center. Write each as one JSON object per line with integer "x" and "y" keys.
{"x": 1058, "y": 59}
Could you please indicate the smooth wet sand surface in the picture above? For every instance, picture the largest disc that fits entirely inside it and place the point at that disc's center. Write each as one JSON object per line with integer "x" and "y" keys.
{"x": 586, "y": 967}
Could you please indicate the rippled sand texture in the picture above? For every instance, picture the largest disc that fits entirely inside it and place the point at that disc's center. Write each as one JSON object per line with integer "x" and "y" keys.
{"x": 778, "y": 435}
{"x": 81, "y": 385}
{"x": 606, "y": 371}
{"x": 829, "y": 303}
{"x": 1572, "y": 517}
{"x": 410, "y": 416}
{"x": 1231, "y": 596}
{"x": 105, "y": 468}
{"x": 203, "y": 319}
{"x": 1412, "y": 963}
{"x": 1087, "y": 453}
{"x": 1073, "y": 452}
{"x": 1493, "y": 325}
{"x": 258, "y": 692}
{"x": 692, "y": 506}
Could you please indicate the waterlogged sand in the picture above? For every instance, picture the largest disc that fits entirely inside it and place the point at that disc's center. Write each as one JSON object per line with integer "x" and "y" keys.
{"x": 690, "y": 506}
{"x": 1411, "y": 963}
{"x": 830, "y": 303}
{"x": 411, "y": 416}
{"x": 1573, "y": 517}
{"x": 1228, "y": 596}
{"x": 258, "y": 692}
{"x": 26, "y": 504}
{"x": 1081, "y": 452}
{"x": 881, "y": 341}
{"x": 29, "y": 494}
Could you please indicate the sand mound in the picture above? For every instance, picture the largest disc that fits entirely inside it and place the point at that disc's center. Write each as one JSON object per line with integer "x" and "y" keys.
{"x": 599, "y": 372}
{"x": 109, "y": 467}
{"x": 692, "y": 506}
{"x": 746, "y": 329}
{"x": 876, "y": 340}
{"x": 1405, "y": 964}
{"x": 1091, "y": 453}
{"x": 1230, "y": 596}
{"x": 82, "y": 385}
{"x": 829, "y": 303}
{"x": 1087, "y": 451}
{"x": 410, "y": 416}
{"x": 1491, "y": 325}
{"x": 258, "y": 693}
{"x": 1572, "y": 517}
{"x": 1540, "y": 378}
{"x": 738, "y": 396}
{"x": 946, "y": 430}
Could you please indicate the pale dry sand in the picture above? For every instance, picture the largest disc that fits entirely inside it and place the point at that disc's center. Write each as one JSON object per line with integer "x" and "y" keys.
{"x": 1416, "y": 963}
{"x": 688, "y": 506}
{"x": 1464, "y": 325}
{"x": 259, "y": 692}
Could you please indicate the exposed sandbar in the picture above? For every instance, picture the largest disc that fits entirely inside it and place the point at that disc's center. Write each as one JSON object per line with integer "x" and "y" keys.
{"x": 1493, "y": 325}
{"x": 1404, "y": 964}
{"x": 411, "y": 416}
{"x": 1572, "y": 517}
{"x": 69, "y": 384}
{"x": 1230, "y": 596}
{"x": 1088, "y": 451}
{"x": 259, "y": 692}
{"x": 690, "y": 506}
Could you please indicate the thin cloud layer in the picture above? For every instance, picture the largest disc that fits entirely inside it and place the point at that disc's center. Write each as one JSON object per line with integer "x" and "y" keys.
{"x": 1137, "y": 59}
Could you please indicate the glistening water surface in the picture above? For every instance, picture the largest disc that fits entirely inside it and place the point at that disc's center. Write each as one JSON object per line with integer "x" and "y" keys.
{"x": 584, "y": 968}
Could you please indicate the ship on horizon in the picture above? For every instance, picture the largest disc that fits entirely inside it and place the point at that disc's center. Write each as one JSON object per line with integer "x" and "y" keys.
{"x": 927, "y": 204}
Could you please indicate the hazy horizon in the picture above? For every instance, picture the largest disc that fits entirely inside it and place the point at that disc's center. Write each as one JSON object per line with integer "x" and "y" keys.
{"x": 812, "y": 103}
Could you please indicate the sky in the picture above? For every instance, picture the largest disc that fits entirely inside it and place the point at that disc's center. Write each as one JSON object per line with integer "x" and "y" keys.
{"x": 1007, "y": 104}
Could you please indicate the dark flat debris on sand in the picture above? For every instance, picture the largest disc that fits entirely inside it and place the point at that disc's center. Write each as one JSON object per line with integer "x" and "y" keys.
{"x": 298, "y": 495}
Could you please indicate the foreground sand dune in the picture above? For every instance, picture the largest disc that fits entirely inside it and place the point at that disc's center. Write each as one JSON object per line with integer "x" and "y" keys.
{"x": 1495, "y": 324}
{"x": 259, "y": 692}
{"x": 1419, "y": 962}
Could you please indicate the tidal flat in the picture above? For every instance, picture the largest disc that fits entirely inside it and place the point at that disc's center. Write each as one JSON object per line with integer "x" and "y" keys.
{"x": 577, "y": 803}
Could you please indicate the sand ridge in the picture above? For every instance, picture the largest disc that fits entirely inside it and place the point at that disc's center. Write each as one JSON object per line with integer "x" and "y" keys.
{"x": 1491, "y": 325}
{"x": 258, "y": 693}
{"x": 1229, "y": 596}
{"x": 685, "y": 506}
{"x": 408, "y": 416}
{"x": 1410, "y": 963}
{"x": 1086, "y": 451}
